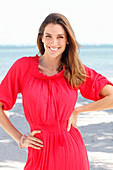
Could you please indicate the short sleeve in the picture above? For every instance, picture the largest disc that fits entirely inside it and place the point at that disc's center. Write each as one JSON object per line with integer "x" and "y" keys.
{"x": 11, "y": 84}
{"x": 93, "y": 84}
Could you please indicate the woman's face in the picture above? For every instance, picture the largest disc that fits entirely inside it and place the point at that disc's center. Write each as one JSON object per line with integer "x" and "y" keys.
{"x": 54, "y": 40}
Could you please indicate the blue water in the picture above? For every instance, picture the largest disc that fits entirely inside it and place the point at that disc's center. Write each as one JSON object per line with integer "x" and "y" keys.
{"x": 99, "y": 58}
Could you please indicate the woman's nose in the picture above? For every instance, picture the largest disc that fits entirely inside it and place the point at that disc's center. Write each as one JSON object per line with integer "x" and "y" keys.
{"x": 54, "y": 42}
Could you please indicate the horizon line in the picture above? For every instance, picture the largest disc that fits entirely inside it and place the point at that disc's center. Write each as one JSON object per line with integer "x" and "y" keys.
{"x": 35, "y": 46}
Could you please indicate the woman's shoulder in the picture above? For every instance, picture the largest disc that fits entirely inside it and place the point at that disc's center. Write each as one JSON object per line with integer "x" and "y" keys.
{"x": 21, "y": 65}
{"x": 24, "y": 62}
{"x": 90, "y": 71}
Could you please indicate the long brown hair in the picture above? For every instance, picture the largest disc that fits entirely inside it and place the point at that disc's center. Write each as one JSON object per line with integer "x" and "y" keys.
{"x": 74, "y": 69}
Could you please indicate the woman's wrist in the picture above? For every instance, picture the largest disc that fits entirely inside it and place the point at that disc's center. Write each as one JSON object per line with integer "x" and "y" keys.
{"x": 21, "y": 141}
{"x": 77, "y": 110}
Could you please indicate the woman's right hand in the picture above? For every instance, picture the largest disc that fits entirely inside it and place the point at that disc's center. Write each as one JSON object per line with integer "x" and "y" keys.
{"x": 32, "y": 141}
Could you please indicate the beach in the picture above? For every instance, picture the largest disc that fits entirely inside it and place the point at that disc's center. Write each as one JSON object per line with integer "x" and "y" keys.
{"x": 96, "y": 129}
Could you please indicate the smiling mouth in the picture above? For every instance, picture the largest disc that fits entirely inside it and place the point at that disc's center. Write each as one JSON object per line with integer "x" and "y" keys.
{"x": 54, "y": 49}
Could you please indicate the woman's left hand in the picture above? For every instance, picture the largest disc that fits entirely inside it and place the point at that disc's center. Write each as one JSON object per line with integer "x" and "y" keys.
{"x": 72, "y": 120}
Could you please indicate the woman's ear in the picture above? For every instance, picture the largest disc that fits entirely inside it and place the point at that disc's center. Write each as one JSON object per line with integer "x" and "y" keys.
{"x": 67, "y": 42}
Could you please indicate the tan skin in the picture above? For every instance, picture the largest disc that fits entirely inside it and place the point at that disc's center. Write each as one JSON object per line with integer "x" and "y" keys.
{"x": 55, "y": 40}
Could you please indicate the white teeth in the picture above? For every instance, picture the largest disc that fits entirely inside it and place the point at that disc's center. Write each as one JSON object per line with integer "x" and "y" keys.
{"x": 54, "y": 49}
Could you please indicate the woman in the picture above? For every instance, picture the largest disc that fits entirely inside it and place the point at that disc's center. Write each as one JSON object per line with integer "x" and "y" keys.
{"x": 49, "y": 85}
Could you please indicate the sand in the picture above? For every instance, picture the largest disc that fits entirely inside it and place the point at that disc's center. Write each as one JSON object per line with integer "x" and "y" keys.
{"x": 96, "y": 129}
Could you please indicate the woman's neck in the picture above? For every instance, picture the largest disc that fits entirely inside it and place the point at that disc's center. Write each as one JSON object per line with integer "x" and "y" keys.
{"x": 49, "y": 62}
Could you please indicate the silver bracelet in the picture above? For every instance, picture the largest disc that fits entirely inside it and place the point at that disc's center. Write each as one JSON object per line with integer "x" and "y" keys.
{"x": 21, "y": 141}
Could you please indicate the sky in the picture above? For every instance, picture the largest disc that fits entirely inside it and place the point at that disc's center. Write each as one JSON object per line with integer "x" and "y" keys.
{"x": 91, "y": 20}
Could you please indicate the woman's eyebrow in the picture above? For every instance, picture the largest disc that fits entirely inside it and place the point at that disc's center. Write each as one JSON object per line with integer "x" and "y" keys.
{"x": 60, "y": 34}
{"x": 51, "y": 34}
{"x": 47, "y": 33}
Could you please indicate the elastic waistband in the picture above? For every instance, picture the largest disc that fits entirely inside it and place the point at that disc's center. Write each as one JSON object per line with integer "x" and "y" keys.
{"x": 50, "y": 128}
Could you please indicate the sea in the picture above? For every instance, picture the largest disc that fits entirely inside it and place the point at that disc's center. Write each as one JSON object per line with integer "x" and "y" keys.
{"x": 97, "y": 57}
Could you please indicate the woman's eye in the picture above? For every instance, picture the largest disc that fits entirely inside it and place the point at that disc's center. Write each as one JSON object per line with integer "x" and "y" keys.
{"x": 60, "y": 37}
{"x": 48, "y": 36}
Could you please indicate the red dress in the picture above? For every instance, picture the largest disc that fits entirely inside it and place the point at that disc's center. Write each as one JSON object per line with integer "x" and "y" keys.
{"x": 48, "y": 102}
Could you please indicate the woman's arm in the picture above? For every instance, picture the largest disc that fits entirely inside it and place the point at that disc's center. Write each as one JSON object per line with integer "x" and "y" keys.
{"x": 8, "y": 126}
{"x": 102, "y": 104}
{"x": 29, "y": 141}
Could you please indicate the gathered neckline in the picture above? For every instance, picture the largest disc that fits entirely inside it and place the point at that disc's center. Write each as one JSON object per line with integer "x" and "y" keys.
{"x": 36, "y": 72}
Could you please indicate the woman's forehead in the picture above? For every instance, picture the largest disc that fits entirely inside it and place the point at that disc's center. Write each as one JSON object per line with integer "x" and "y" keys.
{"x": 54, "y": 29}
